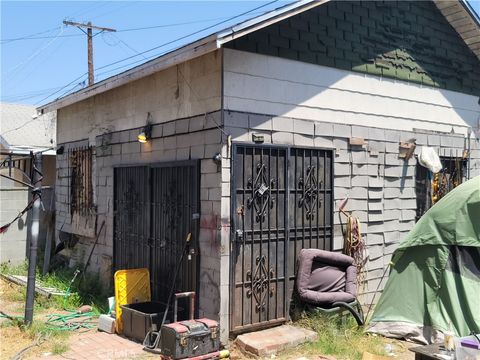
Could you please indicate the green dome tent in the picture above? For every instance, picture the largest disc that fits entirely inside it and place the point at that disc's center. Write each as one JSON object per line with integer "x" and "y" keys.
{"x": 434, "y": 281}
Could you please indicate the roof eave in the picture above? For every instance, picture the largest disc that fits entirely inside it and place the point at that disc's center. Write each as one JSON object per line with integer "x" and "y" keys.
{"x": 260, "y": 22}
{"x": 190, "y": 51}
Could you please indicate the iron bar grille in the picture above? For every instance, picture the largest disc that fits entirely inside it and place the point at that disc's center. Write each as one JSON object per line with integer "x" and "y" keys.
{"x": 155, "y": 207}
{"x": 22, "y": 163}
{"x": 81, "y": 187}
{"x": 429, "y": 188}
{"x": 282, "y": 202}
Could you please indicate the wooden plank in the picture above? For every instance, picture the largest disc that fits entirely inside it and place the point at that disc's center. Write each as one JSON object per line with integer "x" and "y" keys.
{"x": 457, "y": 16}
{"x": 22, "y": 281}
{"x": 461, "y": 22}
{"x": 452, "y": 10}
{"x": 441, "y": 5}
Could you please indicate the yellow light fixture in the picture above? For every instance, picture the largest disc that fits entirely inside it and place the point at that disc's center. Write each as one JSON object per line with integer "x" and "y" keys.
{"x": 146, "y": 133}
{"x": 142, "y": 137}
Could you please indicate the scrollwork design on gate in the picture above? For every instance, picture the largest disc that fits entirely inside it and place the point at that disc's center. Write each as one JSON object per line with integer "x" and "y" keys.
{"x": 171, "y": 205}
{"x": 260, "y": 283}
{"x": 310, "y": 187}
{"x": 261, "y": 198}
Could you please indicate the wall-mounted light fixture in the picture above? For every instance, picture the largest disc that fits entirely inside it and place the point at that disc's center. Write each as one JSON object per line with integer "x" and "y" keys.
{"x": 217, "y": 159}
{"x": 258, "y": 138}
{"x": 146, "y": 133}
{"x": 142, "y": 137}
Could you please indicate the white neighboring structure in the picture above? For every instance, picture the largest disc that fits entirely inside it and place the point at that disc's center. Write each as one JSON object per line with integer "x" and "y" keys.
{"x": 22, "y": 130}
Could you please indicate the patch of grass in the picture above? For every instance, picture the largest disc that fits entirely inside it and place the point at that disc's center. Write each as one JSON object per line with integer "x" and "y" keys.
{"x": 59, "y": 347}
{"x": 19, "y": 269}
{"x": 85, "y": 290}
{"x": 338, "y": 336}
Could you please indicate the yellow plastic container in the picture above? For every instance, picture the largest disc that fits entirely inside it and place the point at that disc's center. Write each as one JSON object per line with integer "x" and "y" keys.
{"x": 131, "y": 286}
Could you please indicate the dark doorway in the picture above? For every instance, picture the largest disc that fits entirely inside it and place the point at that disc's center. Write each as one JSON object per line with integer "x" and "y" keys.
{"x": 155, "y": 208}
{"x": 282, "y": 201}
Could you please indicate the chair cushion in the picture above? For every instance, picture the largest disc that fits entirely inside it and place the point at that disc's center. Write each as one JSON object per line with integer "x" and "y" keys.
{"x": 325, "y": 277}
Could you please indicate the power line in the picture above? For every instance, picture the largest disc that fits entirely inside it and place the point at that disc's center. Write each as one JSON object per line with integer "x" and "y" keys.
{"x": 63, "y": 87}
{"x": 12, "y": 71}
{"x": 89, "y": 34}
{"x": 128, "y": 46}
{"x": 37, "y": 65}
{"x": 157, "y": 47}
{"x": 188, "y": 35}
{"x": 27, "y": 95}
{"x": 33, "y": 37}
{"x": 130, "y": 3}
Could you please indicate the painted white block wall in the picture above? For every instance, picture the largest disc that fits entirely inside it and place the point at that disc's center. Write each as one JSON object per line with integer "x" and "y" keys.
{"x": 271, "y": 85}
{"x": 189, "y": 89}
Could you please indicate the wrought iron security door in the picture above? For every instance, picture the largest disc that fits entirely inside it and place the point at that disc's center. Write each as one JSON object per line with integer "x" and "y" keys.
{"x": 155, "y": 209}
{"x": 282, "y": 202}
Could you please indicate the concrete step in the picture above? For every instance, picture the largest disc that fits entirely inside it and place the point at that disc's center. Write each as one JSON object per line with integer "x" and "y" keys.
{"x": 271, "y": 341}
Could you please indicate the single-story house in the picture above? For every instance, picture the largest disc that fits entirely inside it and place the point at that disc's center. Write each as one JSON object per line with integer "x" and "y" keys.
{"x": 23, "y": 131}
{"x": 251, "y": 136}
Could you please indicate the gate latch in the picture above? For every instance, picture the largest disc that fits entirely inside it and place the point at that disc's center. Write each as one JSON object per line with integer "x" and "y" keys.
{"x": 239, "y": 235}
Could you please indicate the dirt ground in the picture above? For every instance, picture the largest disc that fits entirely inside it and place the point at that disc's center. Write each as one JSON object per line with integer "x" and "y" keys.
{"x": 13, "y": 338}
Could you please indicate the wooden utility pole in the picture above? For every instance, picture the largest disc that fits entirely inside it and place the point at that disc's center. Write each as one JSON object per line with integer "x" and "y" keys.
{"x": 90, "y": 27}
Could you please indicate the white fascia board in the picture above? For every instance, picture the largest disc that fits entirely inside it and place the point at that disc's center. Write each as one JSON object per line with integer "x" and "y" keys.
{"x": 22, "y": 150}
{"x": 185, "y": 53}
{"x": 188, "y": 52}
{"x": 270, "y": 18}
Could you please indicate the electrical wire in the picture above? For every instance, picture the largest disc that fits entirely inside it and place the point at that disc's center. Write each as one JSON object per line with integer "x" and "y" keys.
{"x": 129, "y": 3}
{"x": 36, "y": 194}
{"x": 56, "y": 92}
{"x": 12, "y": 71}
{"x": 188, "y": 35}
{"x": 37, "y": 65}
{"x": 34, "y": 37}
{"x": 159, "y": 46}
{"x": 120, "y": 41}
{"x": 198, "y": 99}
{"x": 27, "y": 95}
{"x": 31, "y": 35}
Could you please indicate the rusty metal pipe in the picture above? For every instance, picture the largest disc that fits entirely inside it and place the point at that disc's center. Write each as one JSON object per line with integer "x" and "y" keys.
{"x": 191, "y": 295}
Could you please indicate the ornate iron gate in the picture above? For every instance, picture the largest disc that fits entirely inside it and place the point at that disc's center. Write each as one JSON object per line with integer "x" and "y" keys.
{"x": 155, "y": 209}
{"x": 281, "y": 203}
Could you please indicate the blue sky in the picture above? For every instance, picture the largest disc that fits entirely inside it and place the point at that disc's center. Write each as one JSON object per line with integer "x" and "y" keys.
{"x": 33, "y": 69}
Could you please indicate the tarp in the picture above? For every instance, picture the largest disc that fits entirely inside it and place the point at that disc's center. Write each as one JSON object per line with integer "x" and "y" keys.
{"x": 434, "y": 281}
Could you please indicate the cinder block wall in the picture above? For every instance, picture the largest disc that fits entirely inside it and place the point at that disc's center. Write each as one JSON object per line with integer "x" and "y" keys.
{"x": 13, "y": 243}
{"x": 380, "y": 186}
{"x": 183, "y": 139}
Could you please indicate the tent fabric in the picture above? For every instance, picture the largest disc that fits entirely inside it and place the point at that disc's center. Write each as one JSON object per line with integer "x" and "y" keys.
{"x": 434, "y": 281}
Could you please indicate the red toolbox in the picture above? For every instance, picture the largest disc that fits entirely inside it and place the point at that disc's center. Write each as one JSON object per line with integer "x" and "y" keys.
{"x": 190, "y": 338}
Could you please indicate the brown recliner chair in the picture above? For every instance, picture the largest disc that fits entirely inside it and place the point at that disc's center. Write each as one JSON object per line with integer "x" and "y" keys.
{"x": 328, "y": 280}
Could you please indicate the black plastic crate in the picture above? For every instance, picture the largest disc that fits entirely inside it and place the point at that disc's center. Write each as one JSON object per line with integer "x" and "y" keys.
{"x": 140, "y": 318}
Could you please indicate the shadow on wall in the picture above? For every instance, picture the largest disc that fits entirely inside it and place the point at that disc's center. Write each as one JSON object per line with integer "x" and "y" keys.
{"x": 409, "y": 41}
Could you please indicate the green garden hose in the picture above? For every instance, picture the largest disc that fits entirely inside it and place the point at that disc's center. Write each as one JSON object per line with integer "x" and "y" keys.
{"x": 69, "y": 322}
